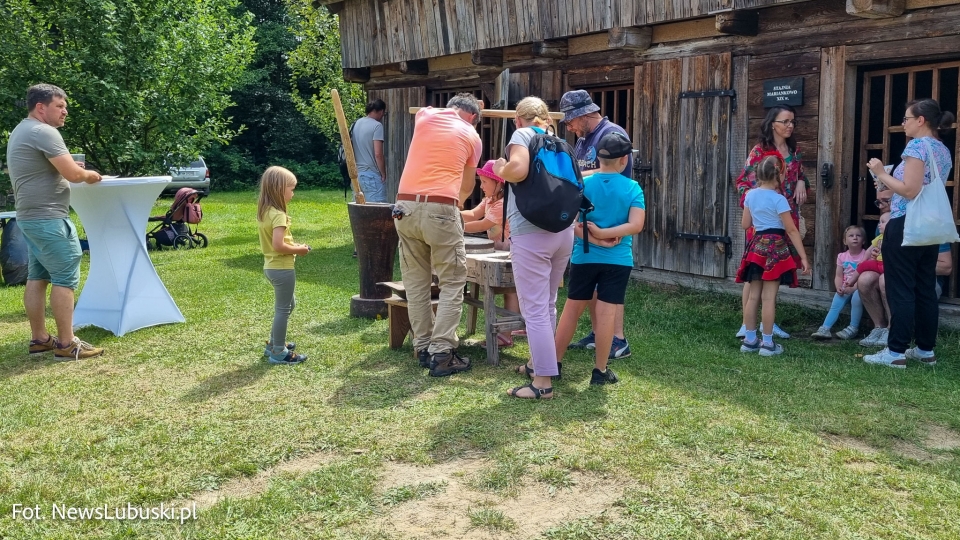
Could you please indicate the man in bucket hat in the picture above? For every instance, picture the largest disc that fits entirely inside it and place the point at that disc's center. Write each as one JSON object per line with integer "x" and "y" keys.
{"x": 582, "y": 116}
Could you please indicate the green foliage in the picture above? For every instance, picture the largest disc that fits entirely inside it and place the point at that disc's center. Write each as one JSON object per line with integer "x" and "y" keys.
{"x": 143, "y": 79}
{"x": 272, "y": 130}
{"x": 317, "y": 58}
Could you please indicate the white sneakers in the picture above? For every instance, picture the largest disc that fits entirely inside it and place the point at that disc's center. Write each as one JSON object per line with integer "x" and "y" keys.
{"x": 876, "y": 338}
{"x": 822, "y": 333}
{"x": 887, "y": 358}
{"x": 777, "y": 331}
{"x": 849, "y": 332}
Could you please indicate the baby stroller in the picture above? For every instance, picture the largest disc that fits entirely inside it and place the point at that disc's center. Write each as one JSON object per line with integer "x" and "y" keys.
{"x": 174, "y": 229}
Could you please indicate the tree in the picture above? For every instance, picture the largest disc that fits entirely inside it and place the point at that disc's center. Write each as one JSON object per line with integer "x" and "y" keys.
{"x": 144, "y": 79}
{"x": 272, "y": 130}
{"x": 318, "y": 59}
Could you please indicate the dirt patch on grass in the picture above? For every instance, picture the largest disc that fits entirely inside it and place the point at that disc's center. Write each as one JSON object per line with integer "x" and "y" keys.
{"x": 254, "y": 485}
{"x": 941, "y": 438}
{"x": 912, "y": 451}
{"x": 457, "y": 510}
{"x": 849, "y": 443}
{"x": 862, "y": 466}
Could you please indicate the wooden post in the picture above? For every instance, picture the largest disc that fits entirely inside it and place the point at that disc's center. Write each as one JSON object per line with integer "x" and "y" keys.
{"x": 838, "y": 82}
{"x": 876, "y": 9}
{"x": 347, "y": 145}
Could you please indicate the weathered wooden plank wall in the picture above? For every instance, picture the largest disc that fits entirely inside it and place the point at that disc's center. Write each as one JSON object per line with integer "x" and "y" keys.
{"x": 374, "y": 32}
{"x": 398, "y": 130}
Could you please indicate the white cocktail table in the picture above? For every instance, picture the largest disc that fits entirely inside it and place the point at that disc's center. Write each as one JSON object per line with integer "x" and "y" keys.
{"x": 123, "y": 291}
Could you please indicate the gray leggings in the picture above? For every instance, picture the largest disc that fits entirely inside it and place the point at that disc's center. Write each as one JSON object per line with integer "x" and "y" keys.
{"x": 283, "y": 282}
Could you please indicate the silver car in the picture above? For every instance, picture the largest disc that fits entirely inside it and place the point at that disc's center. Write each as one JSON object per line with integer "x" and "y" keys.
{"x": 195, "y": 175}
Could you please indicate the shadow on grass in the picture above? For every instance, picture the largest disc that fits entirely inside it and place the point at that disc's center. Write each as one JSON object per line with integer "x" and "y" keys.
{"x": 510, "y": 420}
{"x": 226, "y": 382}
{"x": 818, "y": 387}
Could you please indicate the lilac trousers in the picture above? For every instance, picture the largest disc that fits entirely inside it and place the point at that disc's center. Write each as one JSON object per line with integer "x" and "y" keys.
{"x": 539, "y": 260}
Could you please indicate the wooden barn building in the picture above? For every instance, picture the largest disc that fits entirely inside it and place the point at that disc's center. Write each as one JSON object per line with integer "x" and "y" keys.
{"x": 689, "y": 80}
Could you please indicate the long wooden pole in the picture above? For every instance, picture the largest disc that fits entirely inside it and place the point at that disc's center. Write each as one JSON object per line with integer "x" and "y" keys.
{"x": 497, "y": 113}
{"x": 347, "y": 146}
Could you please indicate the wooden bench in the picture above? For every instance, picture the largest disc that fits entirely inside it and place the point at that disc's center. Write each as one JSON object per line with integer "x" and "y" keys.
{"x": 399, "y": 319}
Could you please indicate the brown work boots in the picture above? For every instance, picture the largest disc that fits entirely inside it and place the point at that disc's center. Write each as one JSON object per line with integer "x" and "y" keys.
{"x": 75, "y": 350}
{"x": 447, "y": 363}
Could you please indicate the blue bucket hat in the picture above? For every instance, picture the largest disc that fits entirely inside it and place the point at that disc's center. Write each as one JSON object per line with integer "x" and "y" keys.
{"x": 575, "y": 104}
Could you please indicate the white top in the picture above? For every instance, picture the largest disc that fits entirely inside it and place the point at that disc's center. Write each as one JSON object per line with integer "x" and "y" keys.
{"x": 765, "y": 206}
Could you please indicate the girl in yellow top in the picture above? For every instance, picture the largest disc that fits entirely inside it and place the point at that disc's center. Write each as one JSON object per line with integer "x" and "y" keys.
{"x": 279, "y": 253}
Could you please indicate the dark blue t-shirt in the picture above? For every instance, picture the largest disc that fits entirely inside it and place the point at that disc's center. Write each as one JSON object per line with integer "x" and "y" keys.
{"x": 586, "y": 148}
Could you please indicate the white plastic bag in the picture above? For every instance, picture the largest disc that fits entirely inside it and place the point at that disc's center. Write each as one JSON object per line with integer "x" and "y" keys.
{"x": 929, "y": 218}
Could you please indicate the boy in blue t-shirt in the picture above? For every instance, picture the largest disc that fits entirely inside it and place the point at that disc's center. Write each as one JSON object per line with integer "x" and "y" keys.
{"x": 602, "y": 273}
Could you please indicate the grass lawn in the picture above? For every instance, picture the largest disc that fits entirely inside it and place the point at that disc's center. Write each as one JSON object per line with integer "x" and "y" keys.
{"x": 696, "y": 441}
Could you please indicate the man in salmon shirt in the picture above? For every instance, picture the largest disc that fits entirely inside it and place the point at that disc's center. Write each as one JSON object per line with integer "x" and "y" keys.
{"x": 439, "y": 174}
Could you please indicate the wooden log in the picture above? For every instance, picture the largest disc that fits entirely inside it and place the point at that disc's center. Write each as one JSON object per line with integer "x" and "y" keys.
{"x": 876, "y": 9}
{"x": 632, "y": 38}
{"x": 497, "y": 113}
{"x": 356, "y": 75}
{"x": 550, "y": 49}
{"x": 414, "y": 67}
{"x": 739, "y": 23}
{"x": 487, "y": 57}
{"x": 347, "y": 145}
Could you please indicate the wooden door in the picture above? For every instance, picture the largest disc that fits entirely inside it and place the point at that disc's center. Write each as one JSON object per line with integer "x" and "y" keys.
{"x": 885, "y": 93}
{"x": 682, "y": 133}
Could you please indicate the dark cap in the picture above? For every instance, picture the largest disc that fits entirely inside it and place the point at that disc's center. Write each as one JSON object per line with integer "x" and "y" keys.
{"x": 575, "y": 104}
{"x": 614, "y": 145}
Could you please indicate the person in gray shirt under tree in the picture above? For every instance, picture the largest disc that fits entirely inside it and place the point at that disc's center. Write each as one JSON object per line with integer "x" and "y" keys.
{"x": 367, "y": 137}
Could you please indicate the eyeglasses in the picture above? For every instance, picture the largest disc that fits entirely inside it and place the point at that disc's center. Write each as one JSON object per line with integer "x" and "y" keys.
{"x": 881, "y": 202}
{"x": 786, "y": 123}
{"x": 905, "y": 118}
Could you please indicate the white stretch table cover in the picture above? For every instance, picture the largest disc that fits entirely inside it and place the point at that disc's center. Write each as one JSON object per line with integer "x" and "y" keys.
{"x": 123, "y": 291}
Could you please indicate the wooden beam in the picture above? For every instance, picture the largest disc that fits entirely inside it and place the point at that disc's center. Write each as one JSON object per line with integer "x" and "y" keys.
{"x": 497, "y": 113}
{"x": 876, "y": 9}
{"x": 630, "y": 37}
{"x": 550, "y": 49}
{"x": 451, "y": 62}
{"x": 414, "y": 67}
{"x": 356, "y": 75}
{"x": 335, "y": 7}
{"x": 739, "y": 23}
{"x": 684, "y": 30}
{"x": 487, "y": 57}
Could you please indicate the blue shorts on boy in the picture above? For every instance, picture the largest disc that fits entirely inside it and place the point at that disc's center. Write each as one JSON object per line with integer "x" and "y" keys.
{"x": 612, "y": 195}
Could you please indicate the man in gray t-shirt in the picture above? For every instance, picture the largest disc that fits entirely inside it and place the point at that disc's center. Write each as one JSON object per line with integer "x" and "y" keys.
{"x": 41, "y": 168}
{"x": 367, "y": 137}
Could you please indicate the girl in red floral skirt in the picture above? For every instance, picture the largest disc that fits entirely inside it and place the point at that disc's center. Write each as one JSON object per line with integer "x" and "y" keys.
{"x": 768, "y": 260}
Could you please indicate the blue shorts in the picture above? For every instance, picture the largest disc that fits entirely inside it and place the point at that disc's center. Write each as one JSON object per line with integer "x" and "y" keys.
{"x": 53, "y": 251}
{"x": 373, "y": 188}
